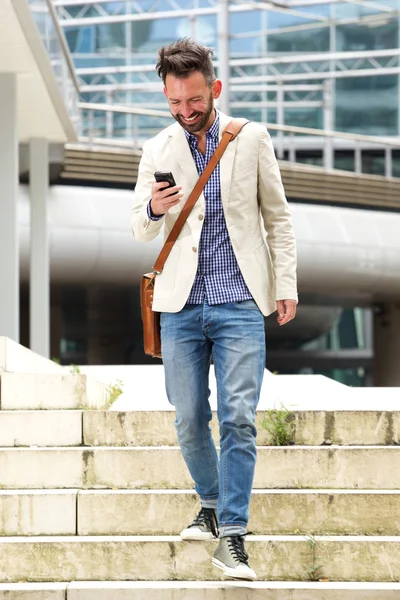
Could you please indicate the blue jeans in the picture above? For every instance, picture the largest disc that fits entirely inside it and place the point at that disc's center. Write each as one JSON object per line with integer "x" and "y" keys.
{"x": 232, "y": 335}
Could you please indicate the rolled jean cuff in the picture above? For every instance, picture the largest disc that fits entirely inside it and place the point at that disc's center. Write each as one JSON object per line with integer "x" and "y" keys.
{"x": 209, "y": 502}
{"x": 231, "y": 530}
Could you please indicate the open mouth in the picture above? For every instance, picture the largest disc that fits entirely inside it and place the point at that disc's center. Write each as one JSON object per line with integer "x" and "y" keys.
{"x": 190, "y": 119}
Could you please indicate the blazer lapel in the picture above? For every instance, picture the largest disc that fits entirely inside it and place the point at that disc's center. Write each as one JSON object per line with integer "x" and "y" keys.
{"x": 226, "y": 163}
{"x": 179, "y": 147}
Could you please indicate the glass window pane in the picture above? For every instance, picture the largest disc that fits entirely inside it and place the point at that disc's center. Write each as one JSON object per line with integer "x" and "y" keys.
{"x": 355, "y": 37}
{"x": 315, "y": 40}
{"x": 367, "y": 105}
{"x": 110, "y": 36}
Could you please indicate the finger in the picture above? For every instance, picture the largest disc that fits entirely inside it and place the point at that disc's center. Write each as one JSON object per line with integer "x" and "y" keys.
{"x": 289, "y": 315}
{"x": 160, "y": 185}
{"x": 174, "y": 201}
{"x": 170, "y": 191}
{"x": 281, "y": 308}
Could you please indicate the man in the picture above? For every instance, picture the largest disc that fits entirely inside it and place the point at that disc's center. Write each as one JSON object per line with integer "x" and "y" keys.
{"x": 221, "y": 277}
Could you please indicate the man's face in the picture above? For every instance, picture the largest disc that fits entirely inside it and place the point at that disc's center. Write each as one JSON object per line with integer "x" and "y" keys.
{"x": 191, "y": 101}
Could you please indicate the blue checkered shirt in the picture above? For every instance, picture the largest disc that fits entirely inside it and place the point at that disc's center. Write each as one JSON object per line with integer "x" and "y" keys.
{"x": 218, "y": 278}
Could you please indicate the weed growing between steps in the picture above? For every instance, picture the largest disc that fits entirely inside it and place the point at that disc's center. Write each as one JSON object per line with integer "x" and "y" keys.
{"x": 279, "y": 423}
{"x": 314, "y": 572}
{"x": 114, "y": 390}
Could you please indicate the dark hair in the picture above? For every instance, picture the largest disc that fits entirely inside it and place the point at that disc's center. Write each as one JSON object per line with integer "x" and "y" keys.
{"x": 184, "y": 57}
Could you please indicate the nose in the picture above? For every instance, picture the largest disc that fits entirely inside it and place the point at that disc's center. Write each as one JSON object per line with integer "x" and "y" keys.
{"x": 186, "y": 110}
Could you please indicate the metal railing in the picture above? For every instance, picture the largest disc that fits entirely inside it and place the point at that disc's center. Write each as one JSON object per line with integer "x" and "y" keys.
{"x": 287, "y": 143}
{"x": 57, "y": 49}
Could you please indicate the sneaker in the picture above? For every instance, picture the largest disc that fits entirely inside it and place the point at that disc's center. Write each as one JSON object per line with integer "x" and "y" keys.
{"x": 204, "y": 526}
{"x": 231, "y": 557}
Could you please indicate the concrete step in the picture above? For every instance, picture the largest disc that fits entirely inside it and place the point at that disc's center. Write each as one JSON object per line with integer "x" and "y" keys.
{"x": 163, "y": 512}
{"x": 204, "y": 590}
{"x": 339, "y": 467}
{"x": 311, "y": 428}
{"x": 15, "y": 358}
{"x": 37, "y": 512}
{"x": 43, "y": 391}
{"x": 272, "y": 512}
{"x": 283, "y": 558}
{"x": 230, "y": 590}
{"x": 120, "y": 429}
{"x": 33, "y": 591}
{"x": 40, "y": 428}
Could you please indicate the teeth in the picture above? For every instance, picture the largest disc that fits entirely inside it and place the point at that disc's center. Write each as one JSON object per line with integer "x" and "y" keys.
{"x": 190, "y": 119}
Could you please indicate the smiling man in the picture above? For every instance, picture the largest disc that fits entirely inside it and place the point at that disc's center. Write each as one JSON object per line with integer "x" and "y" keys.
{"x": 224, "y": 274}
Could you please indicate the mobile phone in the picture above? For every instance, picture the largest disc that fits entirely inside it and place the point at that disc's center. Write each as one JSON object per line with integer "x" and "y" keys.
{"x": 166, "y": 176}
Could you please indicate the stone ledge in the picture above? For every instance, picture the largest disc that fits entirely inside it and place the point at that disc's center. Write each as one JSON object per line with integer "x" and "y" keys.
{"x": 15, "y": 358}
{"x": 314, "y": 428}
{"x": 232, "y": 590}
{"x": 272, "y": 512}
{"x": 37, "y": 512}
{"x": 33, "y": 591}
{"x": 279, "y": 558}
{"x": 40, "y": 428}
{"x": 339, "y": 467}
{"x": 51, "y": 391}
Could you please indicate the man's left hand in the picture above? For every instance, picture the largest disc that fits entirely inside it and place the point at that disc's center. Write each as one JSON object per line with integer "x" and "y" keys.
{"x": 286, "y": 311}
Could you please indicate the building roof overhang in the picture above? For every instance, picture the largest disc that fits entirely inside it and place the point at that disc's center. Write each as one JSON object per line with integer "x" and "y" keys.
{"x": 41, "y": 109}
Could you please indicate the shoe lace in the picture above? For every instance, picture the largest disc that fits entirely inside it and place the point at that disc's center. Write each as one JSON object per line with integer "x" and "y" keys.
{"x": 236, "y": 547}
{"x": 207, "y": 517}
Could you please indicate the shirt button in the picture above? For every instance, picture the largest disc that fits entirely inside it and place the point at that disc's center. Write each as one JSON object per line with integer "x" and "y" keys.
{"x": 194, "y": 249}
{"x": 201, "y": 217}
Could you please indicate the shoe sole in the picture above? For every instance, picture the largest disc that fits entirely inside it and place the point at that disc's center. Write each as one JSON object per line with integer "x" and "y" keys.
{"x": 233, "y": 573}
{"x": 197, "y": 537}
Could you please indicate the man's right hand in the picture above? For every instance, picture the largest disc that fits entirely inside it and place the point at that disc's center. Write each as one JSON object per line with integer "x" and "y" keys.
{"x": 161, "y": 198}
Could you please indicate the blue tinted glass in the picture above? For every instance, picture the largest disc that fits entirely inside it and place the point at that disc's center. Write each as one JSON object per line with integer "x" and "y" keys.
{"x": 304, "y": 117}
{"x": 203, "y": 29}
{"x": 286, "y": 19}
{"x": 241, "y": 22}
{"x": 353, "y": 37}
{"x": 367, "y": 105}
{"x": 111, "y": 36}
{"x": 314, "y": 40}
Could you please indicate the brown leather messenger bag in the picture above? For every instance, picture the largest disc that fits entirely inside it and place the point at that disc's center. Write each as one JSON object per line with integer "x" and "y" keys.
{"x": 150, "y": 318}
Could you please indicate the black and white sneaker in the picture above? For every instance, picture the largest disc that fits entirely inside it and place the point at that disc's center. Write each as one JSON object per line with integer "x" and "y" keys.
{"x": 204, "y": 526}
{"x": 231, "y": 557}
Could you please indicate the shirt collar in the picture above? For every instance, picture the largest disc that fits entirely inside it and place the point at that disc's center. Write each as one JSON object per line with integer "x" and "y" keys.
{"x": 213, "y": 132}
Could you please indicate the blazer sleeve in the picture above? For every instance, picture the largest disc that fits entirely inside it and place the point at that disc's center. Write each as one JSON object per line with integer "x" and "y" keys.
{"x": 277, "y": 221}
{"x": 144, "y": 229}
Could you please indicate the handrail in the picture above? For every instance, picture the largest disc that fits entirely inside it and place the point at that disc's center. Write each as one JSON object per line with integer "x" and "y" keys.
{"x": 273, "y": 126}
{"x": 63, "y": 44}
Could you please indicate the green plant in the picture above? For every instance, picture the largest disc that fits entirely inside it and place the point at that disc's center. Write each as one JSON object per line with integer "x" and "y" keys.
{"x": 279, "y": 424}
{"x": 114, "y": 391}
{"x": 74, "y": 369}
{"x": 313, "y": 573}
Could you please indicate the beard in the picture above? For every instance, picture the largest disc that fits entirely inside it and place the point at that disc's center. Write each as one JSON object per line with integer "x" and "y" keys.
{"x": 201, "y": 123}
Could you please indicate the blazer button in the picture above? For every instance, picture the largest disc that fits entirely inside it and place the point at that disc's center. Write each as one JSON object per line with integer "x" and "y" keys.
{"x": 194, "y": 249}
{"x": 201, "y": 217}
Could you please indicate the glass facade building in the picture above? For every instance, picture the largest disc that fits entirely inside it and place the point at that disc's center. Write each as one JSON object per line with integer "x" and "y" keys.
{"x": 114, "y": 46}
{"x": 318, "y": 65}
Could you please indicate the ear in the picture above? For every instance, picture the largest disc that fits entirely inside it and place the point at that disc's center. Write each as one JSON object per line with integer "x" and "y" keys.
{"x": 165, "y": 93}
{"x": 217, "y": 88}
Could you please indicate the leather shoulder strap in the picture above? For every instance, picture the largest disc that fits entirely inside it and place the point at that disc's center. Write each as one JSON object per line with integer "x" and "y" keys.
{"x": 229, "y": 134}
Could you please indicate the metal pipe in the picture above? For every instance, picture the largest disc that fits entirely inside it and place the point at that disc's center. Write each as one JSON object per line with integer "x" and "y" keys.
{"x": 393, "y": 142}
{"x": 223, "y": 54}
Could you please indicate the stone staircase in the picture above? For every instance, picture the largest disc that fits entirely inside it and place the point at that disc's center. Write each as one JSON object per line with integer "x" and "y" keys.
{"x": 92, "y": 501}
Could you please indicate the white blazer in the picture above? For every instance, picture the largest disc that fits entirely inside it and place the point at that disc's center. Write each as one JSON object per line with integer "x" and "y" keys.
{"x": 255, "y": 208}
